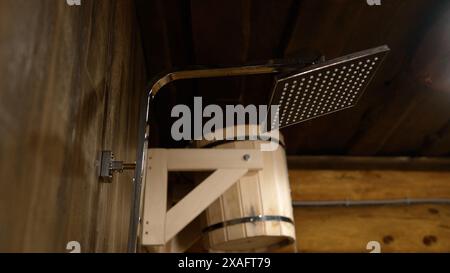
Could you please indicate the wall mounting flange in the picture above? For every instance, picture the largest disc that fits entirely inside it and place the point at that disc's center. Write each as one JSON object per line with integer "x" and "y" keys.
{"x": 109, "y": 166}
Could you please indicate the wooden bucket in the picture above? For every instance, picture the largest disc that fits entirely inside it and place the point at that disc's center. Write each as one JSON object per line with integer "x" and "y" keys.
{"x": 256, "y": 213}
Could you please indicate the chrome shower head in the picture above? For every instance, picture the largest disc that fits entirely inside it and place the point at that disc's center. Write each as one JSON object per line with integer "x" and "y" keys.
{"x": 324, "y": 88}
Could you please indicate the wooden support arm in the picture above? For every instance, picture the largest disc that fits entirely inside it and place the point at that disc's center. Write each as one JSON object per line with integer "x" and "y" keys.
{"x": 160, "y": 225}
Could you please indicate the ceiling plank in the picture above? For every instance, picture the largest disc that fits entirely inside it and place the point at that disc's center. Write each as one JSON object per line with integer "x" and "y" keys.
{"x": 398, "y": 123}
{"x": 221, "y": 35}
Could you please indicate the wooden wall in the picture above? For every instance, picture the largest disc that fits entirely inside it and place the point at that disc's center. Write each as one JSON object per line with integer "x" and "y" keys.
{"x": 398, "y": 228}
{"x": 70, "y": 82}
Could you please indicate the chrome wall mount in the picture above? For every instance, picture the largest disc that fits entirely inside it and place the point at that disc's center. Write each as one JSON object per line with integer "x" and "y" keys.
{"x": 108, "y": 166}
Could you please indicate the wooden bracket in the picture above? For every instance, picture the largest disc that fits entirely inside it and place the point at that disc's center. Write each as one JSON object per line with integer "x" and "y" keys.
{"x": 159, "y": 226}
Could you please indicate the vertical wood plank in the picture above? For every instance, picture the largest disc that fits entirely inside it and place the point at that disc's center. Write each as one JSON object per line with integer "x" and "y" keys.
{"x": 155, "y": 199}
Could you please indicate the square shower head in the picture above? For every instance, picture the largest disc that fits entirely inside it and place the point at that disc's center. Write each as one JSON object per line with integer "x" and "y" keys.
{"x": 324, "y": 88}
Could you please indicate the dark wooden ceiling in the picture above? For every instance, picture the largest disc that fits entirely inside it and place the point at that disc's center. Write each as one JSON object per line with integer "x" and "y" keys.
{"x": 405, "y": 111}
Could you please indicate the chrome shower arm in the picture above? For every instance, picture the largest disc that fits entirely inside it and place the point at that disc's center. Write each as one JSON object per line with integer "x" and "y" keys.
{"x": 209, "y": 73}
{"x": 270, "y": 67}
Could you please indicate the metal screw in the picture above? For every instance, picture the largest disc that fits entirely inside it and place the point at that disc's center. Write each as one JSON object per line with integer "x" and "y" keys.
{"x": 246, "y": 157}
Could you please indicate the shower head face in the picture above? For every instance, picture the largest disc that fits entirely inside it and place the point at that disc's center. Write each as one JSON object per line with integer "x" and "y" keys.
{"x": 324, "y": 88}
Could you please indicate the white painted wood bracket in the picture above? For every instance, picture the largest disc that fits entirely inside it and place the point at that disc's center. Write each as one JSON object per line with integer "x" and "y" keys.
{"x": 159, "y": 226}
